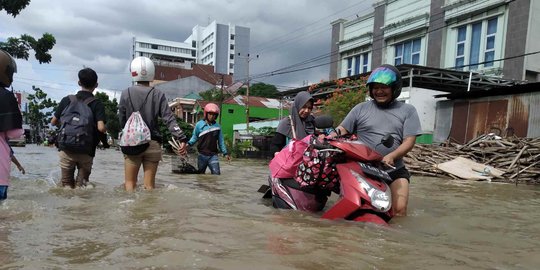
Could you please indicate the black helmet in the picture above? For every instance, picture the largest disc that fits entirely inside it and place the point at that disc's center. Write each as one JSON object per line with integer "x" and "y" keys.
{"x": 387, "y": 75}
{"x": 7, "y": 68}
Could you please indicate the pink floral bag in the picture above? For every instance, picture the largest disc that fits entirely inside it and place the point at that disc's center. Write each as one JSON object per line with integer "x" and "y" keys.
{"x": 135, "y": 137}
{"x": 135, "y": 132}
{"x": 318, "y": 167}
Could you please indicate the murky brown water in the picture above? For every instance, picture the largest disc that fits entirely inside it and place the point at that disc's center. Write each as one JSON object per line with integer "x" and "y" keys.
{"x": 210, "y": 222}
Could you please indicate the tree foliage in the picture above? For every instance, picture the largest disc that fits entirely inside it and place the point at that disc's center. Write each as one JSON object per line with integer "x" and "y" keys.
{"x": 20, "y": 47}
{"x": 260, "y": 90}
{"x": 346, "y": 95}
{"x": 111, "y": 114}
{"x": 13, "y": 7}
{"x": 40, "y": 110}
{"x": 214, "y": 94}
{"x": 166, "y": 134}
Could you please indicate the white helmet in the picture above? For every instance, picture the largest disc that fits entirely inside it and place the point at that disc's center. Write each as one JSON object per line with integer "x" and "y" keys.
{"x": 142, "y": 69}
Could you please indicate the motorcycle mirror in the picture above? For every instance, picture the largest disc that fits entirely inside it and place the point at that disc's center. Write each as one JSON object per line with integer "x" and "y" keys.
{"x": 324, "y": 121}
{"x": 387, "y": 140}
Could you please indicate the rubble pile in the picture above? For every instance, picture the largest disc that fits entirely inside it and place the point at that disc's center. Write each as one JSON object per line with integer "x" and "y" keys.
{"x": 517, "y": 158}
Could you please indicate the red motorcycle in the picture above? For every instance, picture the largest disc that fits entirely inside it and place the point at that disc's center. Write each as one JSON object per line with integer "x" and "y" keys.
{"x": 363, "y": 193}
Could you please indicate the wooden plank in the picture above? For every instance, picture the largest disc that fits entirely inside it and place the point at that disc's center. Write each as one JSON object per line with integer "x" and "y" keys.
{"x": 468, "y": 169}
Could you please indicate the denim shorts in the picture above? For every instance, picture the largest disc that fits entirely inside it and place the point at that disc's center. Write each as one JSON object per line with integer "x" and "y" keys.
{"x": 3, "y": 192}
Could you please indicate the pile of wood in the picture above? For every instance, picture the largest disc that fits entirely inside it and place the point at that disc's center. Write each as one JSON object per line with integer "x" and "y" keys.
{"x": 518, "y": 158}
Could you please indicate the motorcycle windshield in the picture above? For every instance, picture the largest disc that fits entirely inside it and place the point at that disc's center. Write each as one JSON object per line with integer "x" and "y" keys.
{"x": 357, "y": 151}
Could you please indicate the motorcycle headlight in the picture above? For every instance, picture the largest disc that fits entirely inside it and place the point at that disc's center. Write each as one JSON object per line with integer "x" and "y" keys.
{"x": 380, "y": 200}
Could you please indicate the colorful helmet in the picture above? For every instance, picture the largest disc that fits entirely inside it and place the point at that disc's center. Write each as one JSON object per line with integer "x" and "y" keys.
{"x": 7, "y": 68}
{"x": 388, "y": 75}
{"x": 142, "y": 69}
{"x": 211, "y": 108}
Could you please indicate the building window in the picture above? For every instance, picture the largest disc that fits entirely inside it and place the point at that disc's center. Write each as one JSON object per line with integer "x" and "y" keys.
{"x": 231, "y": 65}
{"x": 349, "y": 66}
{"x": 154, "y": 46}
{"x": 460, "y": 53}
{"x": 359, "y": 62}
{"x": 408, "y": 52}
{"x": 476, "y": 43}
{"x": 489, "y": 54}
{"x": 232, "y": 36}
{"x": 232, "y": 46}
{"x": 365, "y": 63}
{"x": 231, "y": 56}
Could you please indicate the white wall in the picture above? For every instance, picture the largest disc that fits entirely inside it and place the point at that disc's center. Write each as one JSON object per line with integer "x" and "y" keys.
{"x": 426, "y": 106}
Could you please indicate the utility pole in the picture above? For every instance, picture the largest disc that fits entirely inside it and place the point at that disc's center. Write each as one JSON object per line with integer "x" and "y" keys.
{"x": 221, "y": 98}
{"x": 248, "y": 59}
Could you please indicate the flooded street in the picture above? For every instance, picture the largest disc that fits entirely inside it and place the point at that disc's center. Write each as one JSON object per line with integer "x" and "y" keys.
{"x": 211, "y": 222}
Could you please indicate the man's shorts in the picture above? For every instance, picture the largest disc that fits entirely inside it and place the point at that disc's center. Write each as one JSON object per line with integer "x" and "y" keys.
{"x": 400, "y": 173}
{"x": 151, "y": 155}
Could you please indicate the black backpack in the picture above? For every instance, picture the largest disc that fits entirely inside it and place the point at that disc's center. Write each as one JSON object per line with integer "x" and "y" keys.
{"x": 78, "y": 127}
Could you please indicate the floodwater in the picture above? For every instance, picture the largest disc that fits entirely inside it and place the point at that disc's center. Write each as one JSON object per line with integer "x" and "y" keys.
{"x": 221, "y": 222}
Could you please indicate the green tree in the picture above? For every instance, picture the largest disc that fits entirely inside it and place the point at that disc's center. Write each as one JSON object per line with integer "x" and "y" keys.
{"x": 346, "y": 95}
{"x": 111, "y": 114}
{"x": 166, "y": 134}
{"x": 261, "y": 90}
{"x": 214, "y": 94}
{"x": 40, "y": 110}
{"x": 20, "y": 47}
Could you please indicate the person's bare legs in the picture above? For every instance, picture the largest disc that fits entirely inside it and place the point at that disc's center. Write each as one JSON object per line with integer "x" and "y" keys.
{"x": 150, "y": 170}
{"x": 130, "y": 171}
{"x": 400, "y": 196}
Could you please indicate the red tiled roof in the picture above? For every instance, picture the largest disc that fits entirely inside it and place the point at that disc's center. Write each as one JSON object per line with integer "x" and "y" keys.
{"x": 204, "y": 72}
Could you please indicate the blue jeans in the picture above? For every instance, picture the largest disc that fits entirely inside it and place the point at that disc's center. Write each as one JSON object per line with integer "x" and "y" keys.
{"x": 211, "y": 162}
{"x": 3, "y": 192}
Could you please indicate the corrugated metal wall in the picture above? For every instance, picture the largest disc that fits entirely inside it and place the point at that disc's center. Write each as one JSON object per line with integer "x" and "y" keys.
{"x": 534, "y": 117}
{"x": 504, "y": 115}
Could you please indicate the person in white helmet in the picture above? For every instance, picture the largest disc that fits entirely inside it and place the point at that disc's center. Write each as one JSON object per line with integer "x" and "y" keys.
{"x": 152, "y": 105}
{"x": 10, "y": 119}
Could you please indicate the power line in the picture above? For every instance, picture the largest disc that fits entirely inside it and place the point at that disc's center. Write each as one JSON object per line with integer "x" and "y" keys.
{"x": 277, "y": 41}
{"x": 321, "y": 57}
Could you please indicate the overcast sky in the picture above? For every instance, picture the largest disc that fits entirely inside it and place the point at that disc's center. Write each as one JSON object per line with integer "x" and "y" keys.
{"x": 98, "y": 34}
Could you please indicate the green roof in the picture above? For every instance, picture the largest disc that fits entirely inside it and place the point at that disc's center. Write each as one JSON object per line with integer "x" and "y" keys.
{"x": 193, "y": 96}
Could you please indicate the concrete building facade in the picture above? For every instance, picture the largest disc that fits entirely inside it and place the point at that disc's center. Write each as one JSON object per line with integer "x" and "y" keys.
{"x": 492, "y": 37}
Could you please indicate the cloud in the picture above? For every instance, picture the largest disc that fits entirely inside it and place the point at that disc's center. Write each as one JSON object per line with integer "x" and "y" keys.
{"x": 99, "y": 33}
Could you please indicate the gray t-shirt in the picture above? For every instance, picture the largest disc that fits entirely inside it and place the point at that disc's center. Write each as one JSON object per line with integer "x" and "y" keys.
{"x": 154, "y": 107}
{"x": 371, "y": 123}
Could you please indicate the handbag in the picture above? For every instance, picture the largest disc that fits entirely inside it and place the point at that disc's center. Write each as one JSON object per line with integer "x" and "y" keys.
{"x": 317, "y": 168}
{"x": 286, "y": 161}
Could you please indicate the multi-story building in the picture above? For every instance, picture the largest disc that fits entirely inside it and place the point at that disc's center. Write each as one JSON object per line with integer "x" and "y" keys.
{"x": 218, "y": 45}
{"x": 493, "y": 37}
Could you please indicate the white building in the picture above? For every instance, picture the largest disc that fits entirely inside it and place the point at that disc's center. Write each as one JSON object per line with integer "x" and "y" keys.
{"x": 220, "y": 45}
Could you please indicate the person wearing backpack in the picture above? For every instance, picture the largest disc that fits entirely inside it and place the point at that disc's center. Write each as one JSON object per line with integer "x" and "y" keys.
{"x": 81, "y": 118}
{"x": 150, "y": 104}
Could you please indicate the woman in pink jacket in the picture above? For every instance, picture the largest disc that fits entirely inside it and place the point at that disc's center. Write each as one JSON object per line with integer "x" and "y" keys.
{"x": 10, "y": 119}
